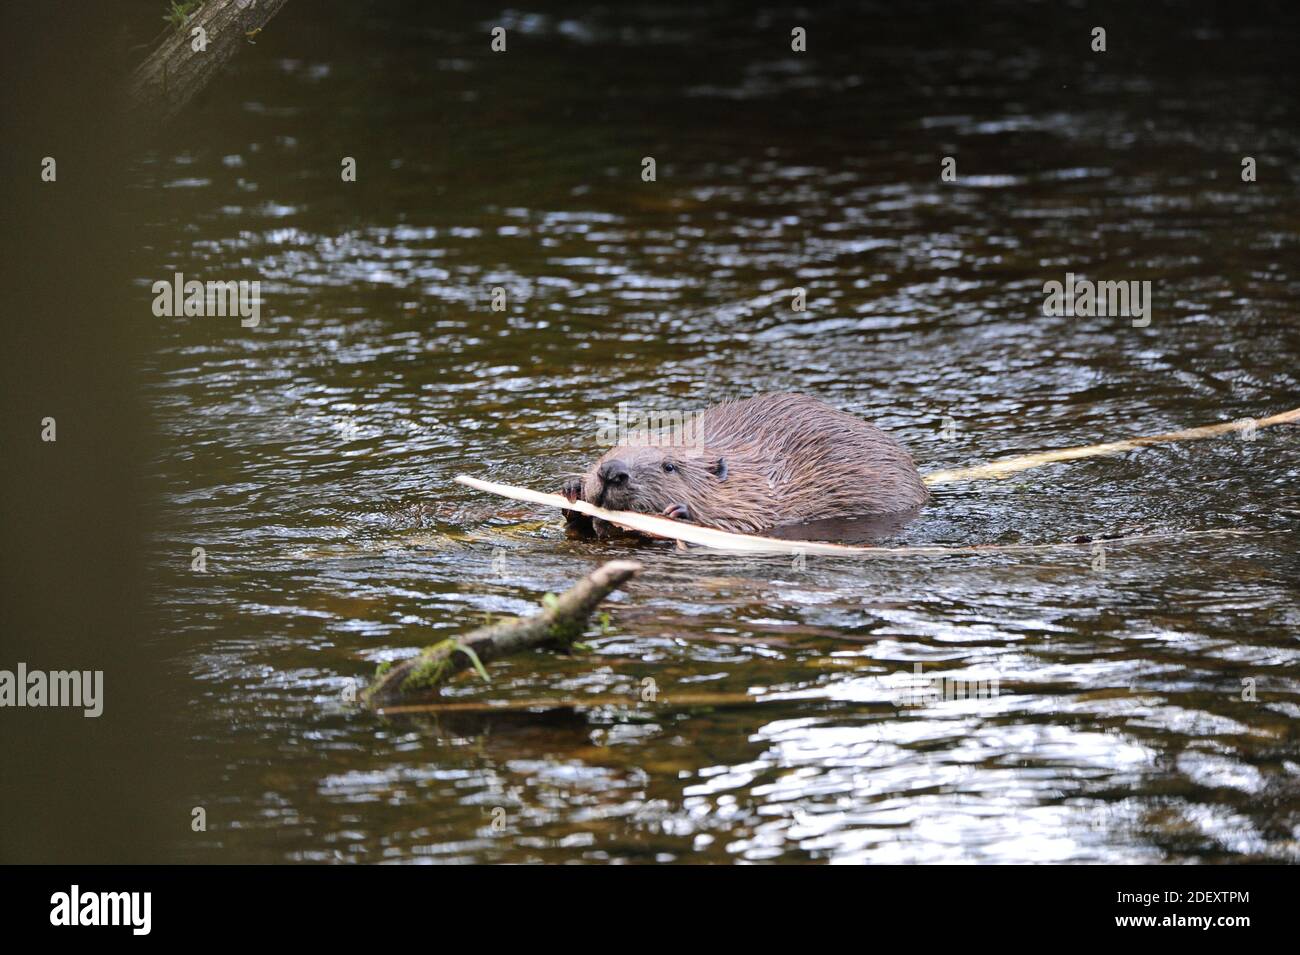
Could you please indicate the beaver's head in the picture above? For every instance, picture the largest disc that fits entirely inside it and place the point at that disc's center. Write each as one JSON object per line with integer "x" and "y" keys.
{"x": 649, "y": 479}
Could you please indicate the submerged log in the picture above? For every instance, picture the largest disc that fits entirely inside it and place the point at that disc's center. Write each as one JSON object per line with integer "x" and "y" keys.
{"x": 556, "y": 627}
{"x": 175, "y": 72}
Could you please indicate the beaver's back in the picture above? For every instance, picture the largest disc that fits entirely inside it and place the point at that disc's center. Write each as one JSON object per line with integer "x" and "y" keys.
{"x": 818, "y": 462}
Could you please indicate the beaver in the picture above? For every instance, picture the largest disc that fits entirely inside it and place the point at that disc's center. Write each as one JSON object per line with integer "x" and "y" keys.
{"x": 768, "y": 461}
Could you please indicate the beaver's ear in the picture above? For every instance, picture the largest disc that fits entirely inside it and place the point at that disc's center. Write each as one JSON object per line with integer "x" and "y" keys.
{"x": 718, "y": 469}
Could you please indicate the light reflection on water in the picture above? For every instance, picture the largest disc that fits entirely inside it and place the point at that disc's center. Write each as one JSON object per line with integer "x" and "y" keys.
{"x": 313, "y": 456}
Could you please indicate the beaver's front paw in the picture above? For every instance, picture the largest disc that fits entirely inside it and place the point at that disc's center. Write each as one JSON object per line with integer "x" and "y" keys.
{"x": 678, "y": 512}
{"x": 572, "y": 489}
{"x": 578, "y": 524}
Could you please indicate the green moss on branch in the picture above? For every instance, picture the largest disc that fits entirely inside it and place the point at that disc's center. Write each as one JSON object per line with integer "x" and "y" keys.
{"x": 561, "y": 622}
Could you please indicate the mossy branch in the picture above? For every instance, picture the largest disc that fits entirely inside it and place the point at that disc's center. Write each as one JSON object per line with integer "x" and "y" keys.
{"x": 174, "y": 72}
{"x": 557, "y": 626}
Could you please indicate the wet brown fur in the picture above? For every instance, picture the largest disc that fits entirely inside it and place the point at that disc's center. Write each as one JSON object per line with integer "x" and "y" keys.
{"x": 764, "y": 462}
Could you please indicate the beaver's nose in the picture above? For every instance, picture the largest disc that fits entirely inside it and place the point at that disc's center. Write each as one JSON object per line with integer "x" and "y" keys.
{"x": 614, "y": 473}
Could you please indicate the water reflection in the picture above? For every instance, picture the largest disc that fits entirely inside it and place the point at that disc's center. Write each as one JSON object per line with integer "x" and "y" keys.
{"x": 313, "y": 457}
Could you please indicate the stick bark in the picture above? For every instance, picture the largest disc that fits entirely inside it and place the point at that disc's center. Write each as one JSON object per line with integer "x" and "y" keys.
{"x": 656, "y": 526}
{"x": 174, "y": 73}
{"x": 1000, "y": 469}
{"x": 556, "y": 627}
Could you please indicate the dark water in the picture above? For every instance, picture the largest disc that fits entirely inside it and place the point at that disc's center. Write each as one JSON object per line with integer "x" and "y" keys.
{"x": 312, "y": 456}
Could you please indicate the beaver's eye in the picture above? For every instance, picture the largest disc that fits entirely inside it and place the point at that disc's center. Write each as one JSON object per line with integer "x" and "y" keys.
{"x": 668, "y": 467}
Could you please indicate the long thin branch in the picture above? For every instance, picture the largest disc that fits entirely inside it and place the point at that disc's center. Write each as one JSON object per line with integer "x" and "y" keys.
{"x": 657, "y": 526}
{"x": 1000, "y": 469}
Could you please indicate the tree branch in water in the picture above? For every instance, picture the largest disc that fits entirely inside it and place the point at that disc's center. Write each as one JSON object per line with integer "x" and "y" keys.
{"x": 175, "y": 72}
{"x": 556, "y": 627}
